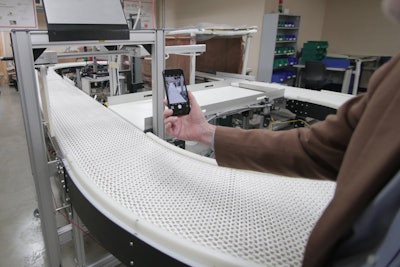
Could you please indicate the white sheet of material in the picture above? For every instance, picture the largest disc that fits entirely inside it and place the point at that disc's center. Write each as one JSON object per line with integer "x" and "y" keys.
{"x": 222, "y": 94}
{"x": 137, "y": 112}
{"x": 194, "y": 211}
{"x": 324, "y": 98}
{"x": 215, "y": 30}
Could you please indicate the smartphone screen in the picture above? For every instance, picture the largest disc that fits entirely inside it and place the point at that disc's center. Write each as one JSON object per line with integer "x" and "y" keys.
{"x": 175, "y": 88}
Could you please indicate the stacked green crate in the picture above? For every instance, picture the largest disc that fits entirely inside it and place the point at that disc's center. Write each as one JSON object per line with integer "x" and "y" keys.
{"x": 280, "y": 63}
{"x": 314, "y": 50}
{"x": 284, "y": 50}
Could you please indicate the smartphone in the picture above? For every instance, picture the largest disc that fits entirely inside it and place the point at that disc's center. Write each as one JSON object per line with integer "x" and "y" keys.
{"x": 175, "y": 88}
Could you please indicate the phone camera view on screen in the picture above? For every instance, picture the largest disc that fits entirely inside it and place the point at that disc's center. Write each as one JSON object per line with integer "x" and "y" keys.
{"x": 177, "y": 95}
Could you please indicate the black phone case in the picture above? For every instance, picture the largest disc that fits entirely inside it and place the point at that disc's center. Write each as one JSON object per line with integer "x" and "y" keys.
{"x": 181, "y": 108}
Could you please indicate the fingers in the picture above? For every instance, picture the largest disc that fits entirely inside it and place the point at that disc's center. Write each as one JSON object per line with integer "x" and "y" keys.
{"x": 170, "y": 128}
{"x": 193, "y": 101}
{"x": 168, "y": 113}
{"x": 170, "y": 119}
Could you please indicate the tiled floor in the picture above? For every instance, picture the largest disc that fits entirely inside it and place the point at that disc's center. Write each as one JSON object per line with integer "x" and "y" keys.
{"x": 21, "y": 241}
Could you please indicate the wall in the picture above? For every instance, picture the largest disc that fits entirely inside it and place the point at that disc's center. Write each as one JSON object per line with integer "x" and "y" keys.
{"x": 360, "y": 29}
{"x": 356, "y": 27}
{"x": 6, "y": 49}
{"x": 184, "y": 13}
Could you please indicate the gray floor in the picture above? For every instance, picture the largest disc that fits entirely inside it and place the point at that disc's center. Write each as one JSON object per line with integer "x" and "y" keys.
{"x": 21, "y": 241}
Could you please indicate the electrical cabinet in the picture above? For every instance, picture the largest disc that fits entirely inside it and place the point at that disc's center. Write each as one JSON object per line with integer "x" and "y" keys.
{"x": 278, "y": 48}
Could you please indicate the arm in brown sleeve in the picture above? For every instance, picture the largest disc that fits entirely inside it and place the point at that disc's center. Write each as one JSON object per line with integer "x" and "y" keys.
{"x": 315, "y": 152}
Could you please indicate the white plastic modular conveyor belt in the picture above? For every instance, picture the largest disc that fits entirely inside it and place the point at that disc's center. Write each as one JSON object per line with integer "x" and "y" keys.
{"x": 191, "y": 210}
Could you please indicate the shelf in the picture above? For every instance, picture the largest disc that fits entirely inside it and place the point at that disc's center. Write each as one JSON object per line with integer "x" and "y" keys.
{"x": 284, "y": 67}
{"x": 288, "y": 28}
{"x": 278, "y": 44}
{"x": 283, "y": 42}
{"x": 285, "y": 54}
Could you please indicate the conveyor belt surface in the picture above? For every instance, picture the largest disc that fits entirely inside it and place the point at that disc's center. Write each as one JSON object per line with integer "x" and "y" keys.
{"x": 192, "y": 210}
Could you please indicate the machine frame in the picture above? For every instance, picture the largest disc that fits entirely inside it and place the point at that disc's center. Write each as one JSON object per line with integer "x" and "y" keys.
{"x": 25, "y": 45}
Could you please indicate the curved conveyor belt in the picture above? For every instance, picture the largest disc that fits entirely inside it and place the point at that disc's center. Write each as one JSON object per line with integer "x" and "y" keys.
{"x": 179, "y": 205}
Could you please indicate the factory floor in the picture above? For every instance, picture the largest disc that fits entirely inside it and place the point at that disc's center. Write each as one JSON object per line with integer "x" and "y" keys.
{"x": 21, "y": 241}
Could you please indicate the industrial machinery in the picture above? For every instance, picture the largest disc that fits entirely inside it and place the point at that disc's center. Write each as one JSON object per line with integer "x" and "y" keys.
{"x": 144, "y": 200}
{"x": 148, "y": 202}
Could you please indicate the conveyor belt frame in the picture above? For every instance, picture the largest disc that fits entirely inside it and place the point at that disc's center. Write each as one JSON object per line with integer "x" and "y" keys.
{"x": 24, "y": 42}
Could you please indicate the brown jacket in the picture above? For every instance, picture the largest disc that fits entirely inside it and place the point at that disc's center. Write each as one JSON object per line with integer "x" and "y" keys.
{"x": 359, "y": 147}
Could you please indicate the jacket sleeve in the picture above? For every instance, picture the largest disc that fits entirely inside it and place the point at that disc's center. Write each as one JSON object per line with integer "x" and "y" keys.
{"x": 314, "y": 152}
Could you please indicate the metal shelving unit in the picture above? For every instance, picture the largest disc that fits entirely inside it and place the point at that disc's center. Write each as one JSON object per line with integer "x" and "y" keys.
{"x": 278, "y": 46}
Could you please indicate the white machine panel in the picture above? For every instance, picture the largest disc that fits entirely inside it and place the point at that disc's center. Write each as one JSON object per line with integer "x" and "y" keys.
{"x": 84, "y": 12}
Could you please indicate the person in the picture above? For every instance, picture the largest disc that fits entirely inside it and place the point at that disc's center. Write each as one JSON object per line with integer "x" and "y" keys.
{"x": 358, "y": 147}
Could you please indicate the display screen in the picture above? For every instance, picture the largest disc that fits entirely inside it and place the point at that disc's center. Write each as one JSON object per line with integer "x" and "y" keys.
{"x": 176, "y": 89}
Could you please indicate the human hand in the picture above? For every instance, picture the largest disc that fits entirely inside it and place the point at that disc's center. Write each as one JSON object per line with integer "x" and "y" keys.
{"x": 190, "y": 127}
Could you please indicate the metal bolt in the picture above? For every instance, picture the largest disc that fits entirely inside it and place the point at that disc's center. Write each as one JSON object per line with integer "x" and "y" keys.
{"x": 131, "y": 243}
{"x": 36, "y": 213}
{"x": 132, "y": 263}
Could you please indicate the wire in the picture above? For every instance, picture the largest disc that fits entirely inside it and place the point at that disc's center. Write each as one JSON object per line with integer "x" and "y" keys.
{"x": 234, "y": 111}
{"x": 72, "y": 222}
{"x": 189, "y": 54}
{"x": 274, "y": 122}
{"x": 80, "y": 228}
{"x": 138, "y": 16}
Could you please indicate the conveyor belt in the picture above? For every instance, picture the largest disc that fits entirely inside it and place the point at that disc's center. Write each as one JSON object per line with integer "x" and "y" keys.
{"x": 191, "y": 210}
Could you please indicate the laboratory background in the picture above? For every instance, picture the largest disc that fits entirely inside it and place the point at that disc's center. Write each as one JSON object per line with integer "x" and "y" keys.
{"x": 88, "y": 175}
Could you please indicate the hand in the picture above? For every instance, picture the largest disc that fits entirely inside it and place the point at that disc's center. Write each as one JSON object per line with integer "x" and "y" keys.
{"x": 191, "y": 127}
